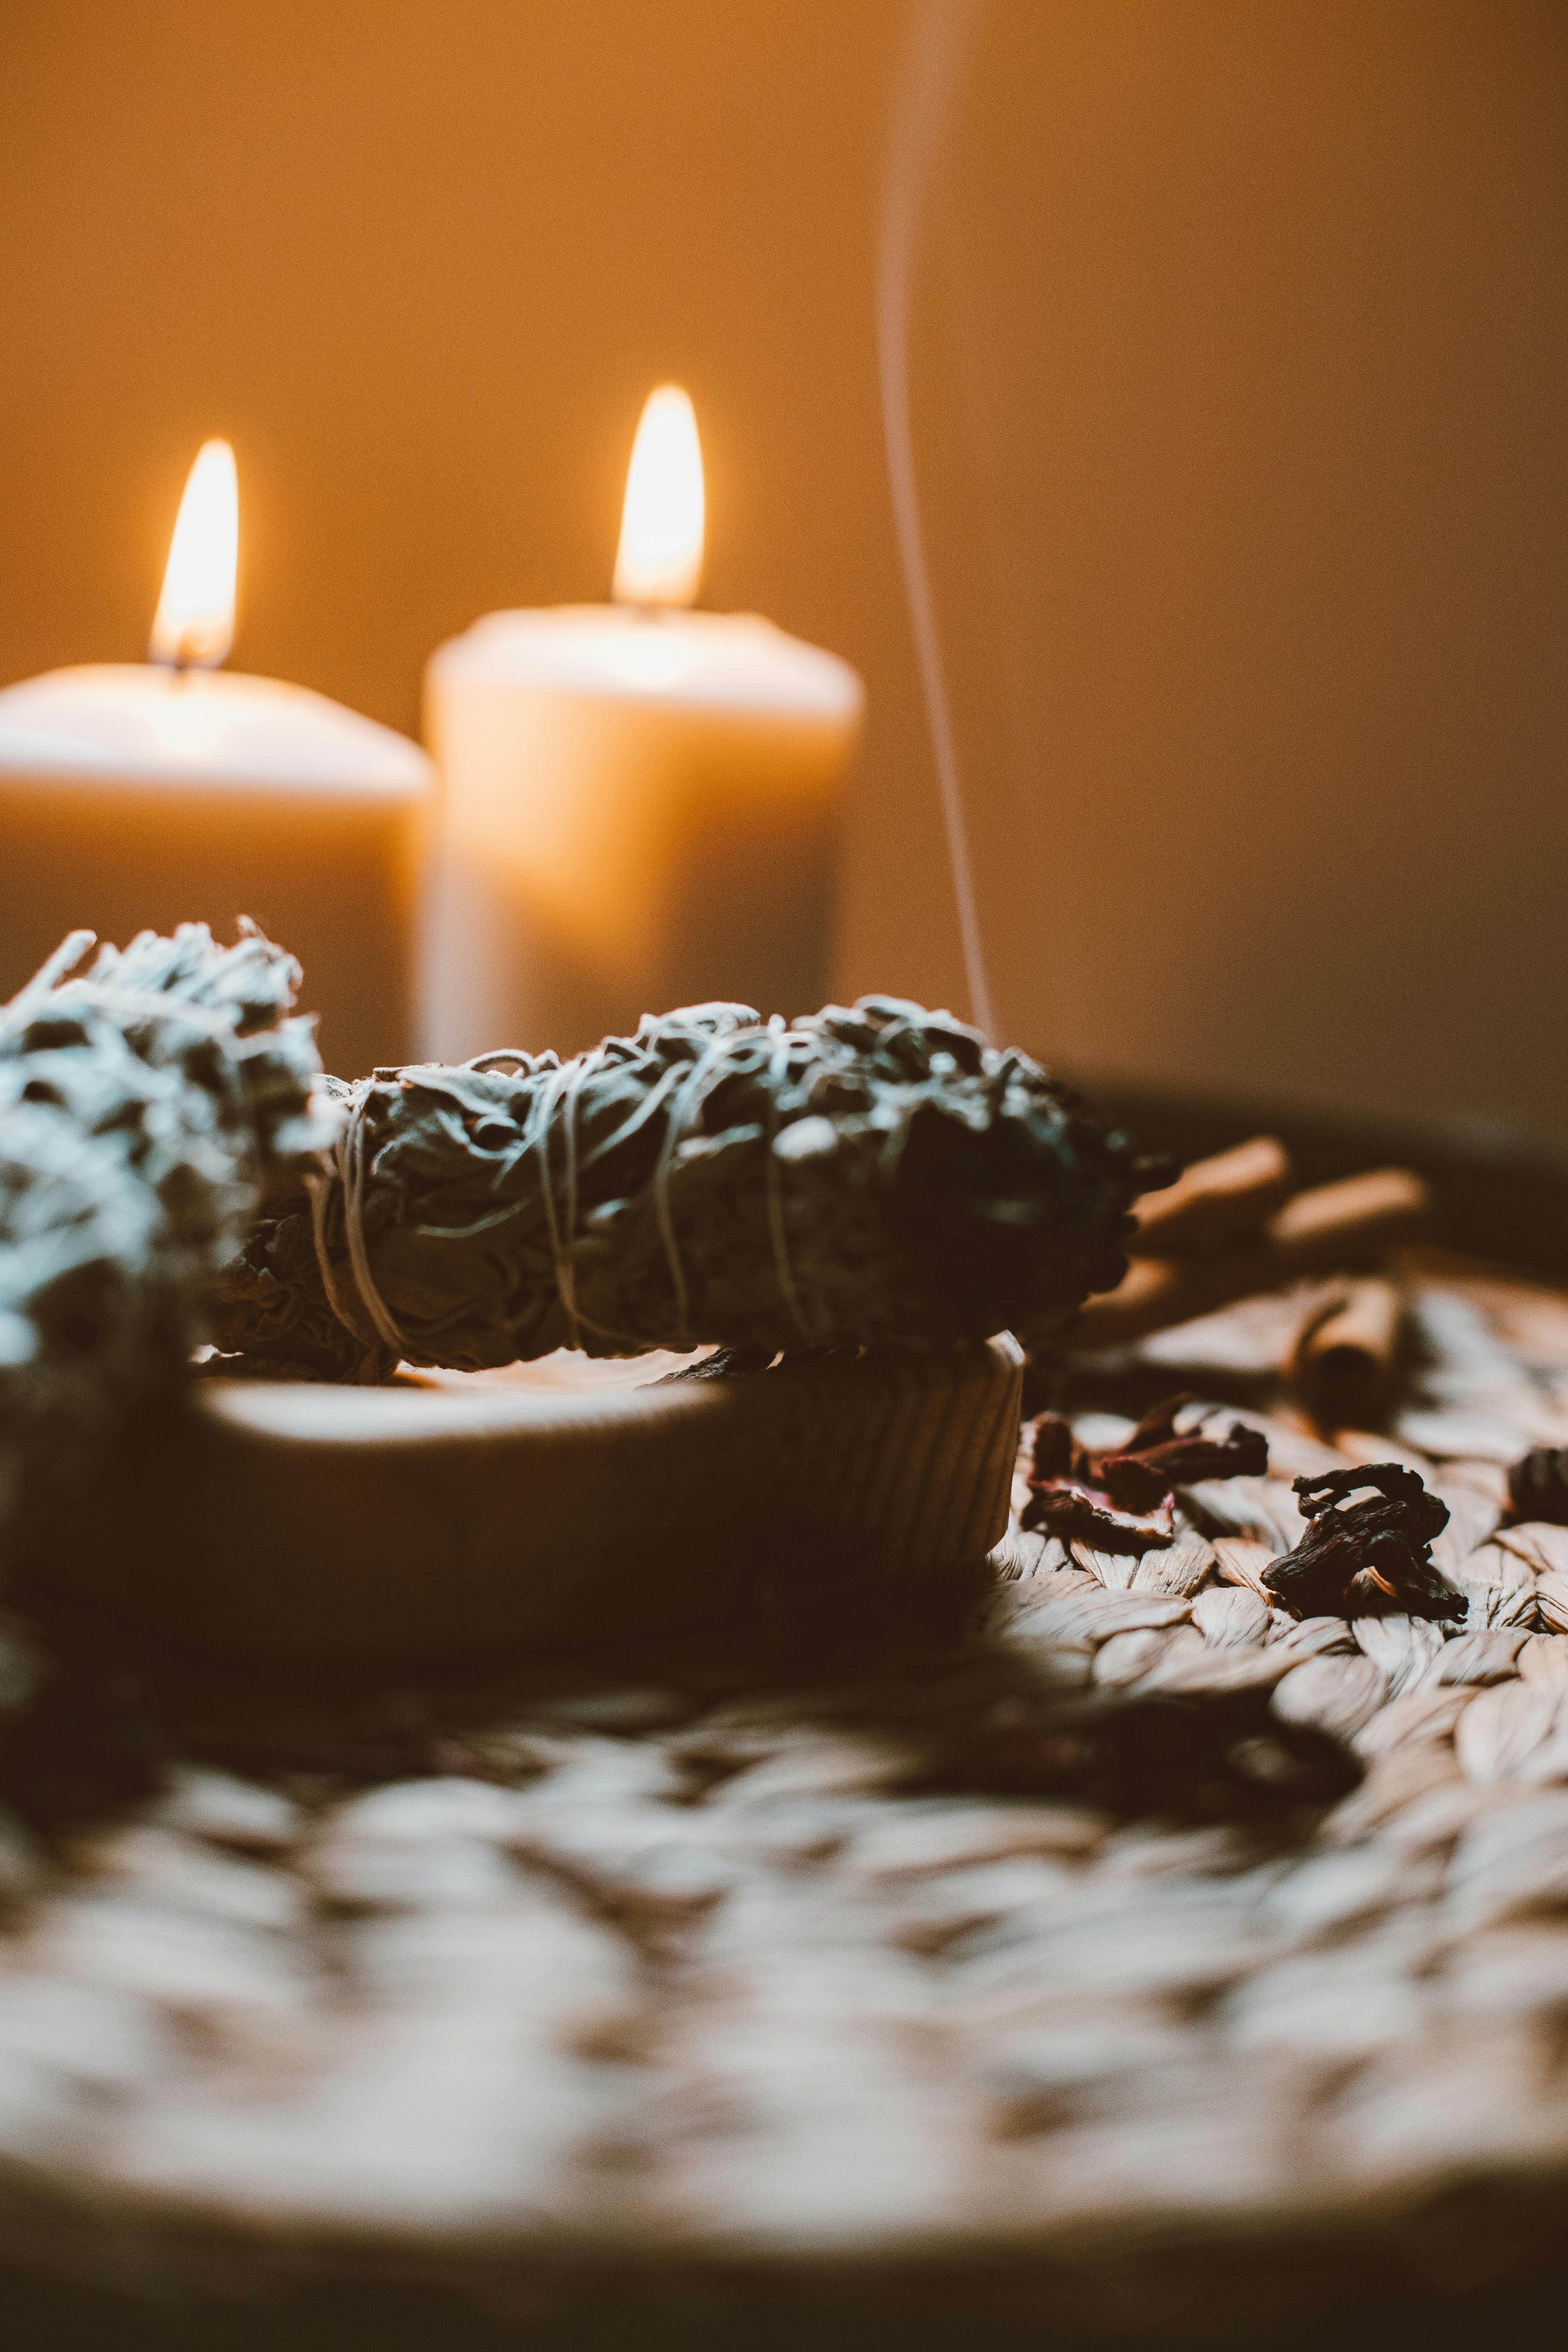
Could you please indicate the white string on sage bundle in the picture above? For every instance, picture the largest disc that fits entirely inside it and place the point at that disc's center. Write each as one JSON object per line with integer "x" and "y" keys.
{"x": 343, "y": 1177}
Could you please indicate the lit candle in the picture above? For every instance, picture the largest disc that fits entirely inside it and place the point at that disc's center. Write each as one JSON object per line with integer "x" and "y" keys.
{"x": 639, "y": 802}
{"x": 139, "y": 796}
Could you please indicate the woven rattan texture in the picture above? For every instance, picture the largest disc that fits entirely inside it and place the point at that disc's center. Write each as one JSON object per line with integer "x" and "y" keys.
{"x": 669, "y": 1956}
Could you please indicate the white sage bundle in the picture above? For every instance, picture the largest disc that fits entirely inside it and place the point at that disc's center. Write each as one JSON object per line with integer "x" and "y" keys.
{"x": 146, "y": 1102}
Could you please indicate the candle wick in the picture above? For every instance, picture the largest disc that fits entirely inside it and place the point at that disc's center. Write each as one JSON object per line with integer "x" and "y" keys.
{"x": 182, "y": 664}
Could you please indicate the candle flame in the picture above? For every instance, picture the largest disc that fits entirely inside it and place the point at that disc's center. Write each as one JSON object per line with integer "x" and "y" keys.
{"x": 194, "y": 627}
{"x": 660, "y": 557}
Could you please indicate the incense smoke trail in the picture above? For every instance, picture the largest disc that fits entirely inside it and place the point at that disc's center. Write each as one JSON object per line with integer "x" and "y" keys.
{"x": 940, "y": 34}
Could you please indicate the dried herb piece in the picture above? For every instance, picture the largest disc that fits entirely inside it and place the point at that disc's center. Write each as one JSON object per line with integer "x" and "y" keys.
{"x": 1156, "y": 1458}
{"x": 1538, "y": 1486}
{"x": 144, "y": 1104}
{"x": 1387, "y": 1533}
{"x": 1067, "y": 1512}
{"x": 1054, "y": 1452}
{"x": 1108, "y": 1499}
{"x": 870, "y": 1174}
{"x": 1220, "y": 1756}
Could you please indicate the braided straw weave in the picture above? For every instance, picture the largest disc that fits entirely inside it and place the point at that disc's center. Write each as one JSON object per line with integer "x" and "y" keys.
{"x": 666, "y": 1969}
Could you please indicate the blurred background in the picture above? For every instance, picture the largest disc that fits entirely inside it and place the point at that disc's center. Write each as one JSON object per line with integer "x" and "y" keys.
{"x": 1238, "y": 348}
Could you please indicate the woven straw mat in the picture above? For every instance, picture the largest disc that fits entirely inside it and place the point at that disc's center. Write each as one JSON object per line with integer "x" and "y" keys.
{"x": 675, "y": 1957}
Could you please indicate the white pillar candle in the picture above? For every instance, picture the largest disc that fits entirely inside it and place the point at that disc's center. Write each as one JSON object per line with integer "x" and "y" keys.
{"x": 136, "y": 796}
{"x": 639, "y": 804}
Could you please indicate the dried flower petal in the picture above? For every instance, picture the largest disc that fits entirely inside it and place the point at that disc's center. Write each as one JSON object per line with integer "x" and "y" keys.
{"x": 1538, "y": 1486}
{"x": 1388, "y": 1534}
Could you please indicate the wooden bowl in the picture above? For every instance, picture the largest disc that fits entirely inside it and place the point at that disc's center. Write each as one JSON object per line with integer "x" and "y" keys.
{"x": 455, "y": 1516}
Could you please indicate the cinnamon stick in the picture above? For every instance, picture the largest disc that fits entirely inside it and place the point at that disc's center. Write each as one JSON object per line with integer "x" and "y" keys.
{"x": 1215, "y": 1203}
{"x": 1314, "y": 1230}
{"x": 1342, "y": 1226}
{"x": 1346, "y": 1352}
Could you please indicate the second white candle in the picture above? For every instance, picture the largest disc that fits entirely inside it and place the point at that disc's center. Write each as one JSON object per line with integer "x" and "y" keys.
{"x": 639, "y": 804}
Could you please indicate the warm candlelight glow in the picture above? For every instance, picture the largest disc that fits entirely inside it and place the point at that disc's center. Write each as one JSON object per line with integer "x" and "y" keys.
{"x": 660, "y": 557}
{"x": 194, "y": 628}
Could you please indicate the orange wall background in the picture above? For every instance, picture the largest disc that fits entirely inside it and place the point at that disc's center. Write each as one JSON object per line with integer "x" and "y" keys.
{"x": 1239, "y": 356}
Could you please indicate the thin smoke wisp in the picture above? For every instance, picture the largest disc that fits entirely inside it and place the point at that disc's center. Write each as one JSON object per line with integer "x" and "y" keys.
{"x": 941, "y": 33}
